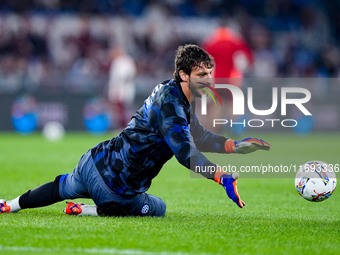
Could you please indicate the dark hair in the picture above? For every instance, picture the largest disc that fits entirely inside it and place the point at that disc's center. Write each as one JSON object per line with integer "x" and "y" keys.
{"x": 190, "y": 56}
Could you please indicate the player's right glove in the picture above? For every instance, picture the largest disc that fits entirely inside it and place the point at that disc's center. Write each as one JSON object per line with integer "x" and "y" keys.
{"x": 246, "y": 145}
{"x": 229, "y": 183}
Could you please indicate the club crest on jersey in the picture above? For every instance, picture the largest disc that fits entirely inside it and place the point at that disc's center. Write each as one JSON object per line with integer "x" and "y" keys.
{"x": 145, "y": 209}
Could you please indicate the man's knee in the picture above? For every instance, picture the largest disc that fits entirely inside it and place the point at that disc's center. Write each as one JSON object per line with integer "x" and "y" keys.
{"x": 159, "y": 207}
{"x": 151, "y": 206}
{"x": 113, "y": 208}
{"x": 141, "y": 205}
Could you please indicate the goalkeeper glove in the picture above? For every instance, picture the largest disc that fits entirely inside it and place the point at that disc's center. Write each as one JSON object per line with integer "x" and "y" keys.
{"x": 246, "y": 145}
{"x": 228, "y": 181}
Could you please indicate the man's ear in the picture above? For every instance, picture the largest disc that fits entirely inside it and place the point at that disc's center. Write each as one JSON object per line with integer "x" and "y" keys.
{"x": 184, "y": 76}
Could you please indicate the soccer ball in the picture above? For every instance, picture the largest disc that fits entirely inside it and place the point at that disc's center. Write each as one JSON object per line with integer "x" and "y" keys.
{"x": 315, "y": 181}
{"x": 53, "y": 131}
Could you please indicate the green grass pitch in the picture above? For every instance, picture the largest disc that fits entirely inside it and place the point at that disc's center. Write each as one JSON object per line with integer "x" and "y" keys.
{"x": 200, "y": 218}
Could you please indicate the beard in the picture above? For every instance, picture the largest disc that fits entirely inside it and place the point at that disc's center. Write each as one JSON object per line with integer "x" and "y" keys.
{"x": 194, "y": 89}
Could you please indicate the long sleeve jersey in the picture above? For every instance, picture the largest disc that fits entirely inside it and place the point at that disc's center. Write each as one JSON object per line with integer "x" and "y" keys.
{"x": 164, "y": 126}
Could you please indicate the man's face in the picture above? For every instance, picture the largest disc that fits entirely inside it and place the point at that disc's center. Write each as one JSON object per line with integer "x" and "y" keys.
{"x": 199, "y": 77}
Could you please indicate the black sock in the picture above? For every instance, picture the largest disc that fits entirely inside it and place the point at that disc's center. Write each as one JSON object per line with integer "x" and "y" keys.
{"x": 44, "y": 195}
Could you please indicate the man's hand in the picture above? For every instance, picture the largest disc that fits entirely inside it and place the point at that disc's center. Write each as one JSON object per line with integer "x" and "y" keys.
{"x": 246, "y": 145}
{"x": 228, "y": 181}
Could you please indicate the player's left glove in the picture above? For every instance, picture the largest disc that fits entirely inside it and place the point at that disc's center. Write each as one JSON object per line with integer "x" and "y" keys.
{"x": 73, "y": 208}
{"x": 246, "y": 145}
{"x": 229, "y": 183}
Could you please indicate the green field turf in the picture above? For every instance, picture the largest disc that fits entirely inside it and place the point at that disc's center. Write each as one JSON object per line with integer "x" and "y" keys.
{"x": 200, "y": 218}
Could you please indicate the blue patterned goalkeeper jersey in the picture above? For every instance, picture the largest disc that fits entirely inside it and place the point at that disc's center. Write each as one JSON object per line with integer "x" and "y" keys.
{"x": 164, "y": 126}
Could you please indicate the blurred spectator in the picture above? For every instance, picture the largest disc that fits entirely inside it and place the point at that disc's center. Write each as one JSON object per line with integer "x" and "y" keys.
{"x": 265, "y": 60}
{"x": 314, "y": 30}
{"x": 232, "y": 57}
{"x": 121, "y": 84}
{"x": 66, "y": 44}
{"x": 231, "y": 53}
{"x": 12, "y": 71}
{"x": 330, "y": 59}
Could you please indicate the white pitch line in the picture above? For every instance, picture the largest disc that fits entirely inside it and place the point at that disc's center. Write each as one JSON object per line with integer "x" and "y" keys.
{"x": 94, "y": 251}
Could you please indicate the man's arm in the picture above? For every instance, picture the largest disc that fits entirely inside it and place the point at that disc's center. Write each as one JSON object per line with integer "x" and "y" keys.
{"x": 205, "y": 140}
{"x": 173, "y": 127}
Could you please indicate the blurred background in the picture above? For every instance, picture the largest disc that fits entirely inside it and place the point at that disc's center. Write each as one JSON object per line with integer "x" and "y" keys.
{"x": 67, "y": 61}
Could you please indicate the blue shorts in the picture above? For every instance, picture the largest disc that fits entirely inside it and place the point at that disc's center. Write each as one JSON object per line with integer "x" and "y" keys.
{"x": 86, "y": 182}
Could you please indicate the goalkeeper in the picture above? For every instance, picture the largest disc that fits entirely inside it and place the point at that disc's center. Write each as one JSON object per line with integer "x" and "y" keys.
{"x": 116, "y": 173}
